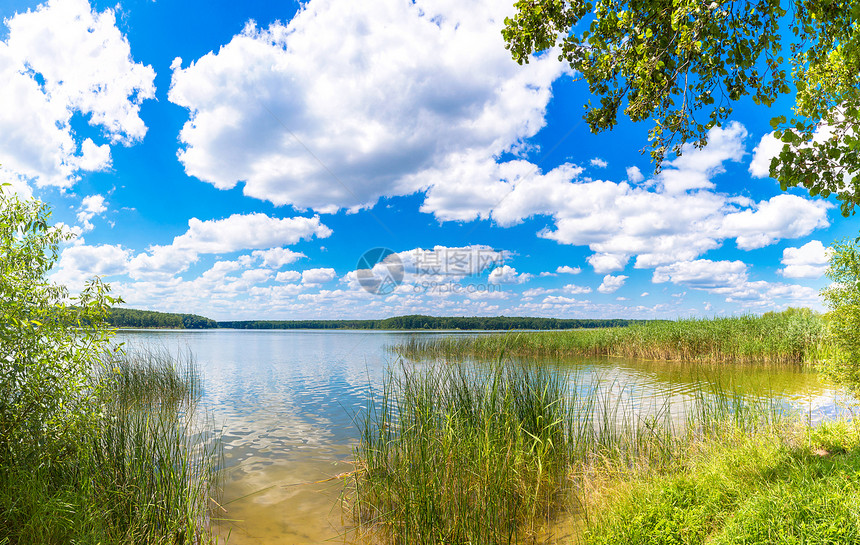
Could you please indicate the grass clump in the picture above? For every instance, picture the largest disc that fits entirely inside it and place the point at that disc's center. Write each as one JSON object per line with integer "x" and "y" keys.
{"x": 138, "y": 472}
{"x": 788, "y": 337}
{"x": 456, "y": 455}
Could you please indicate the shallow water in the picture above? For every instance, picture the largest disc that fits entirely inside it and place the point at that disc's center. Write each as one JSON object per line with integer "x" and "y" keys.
{"x": 285, "y": 403}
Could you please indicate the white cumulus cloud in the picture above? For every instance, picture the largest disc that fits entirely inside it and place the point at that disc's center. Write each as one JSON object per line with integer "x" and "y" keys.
{"x": 566, "y": 269}
{"x": 60, "y": 60}
{"x": 611, "y": 283}
{"x": 345, "y": 104}
{"x": 508, "y": 275}
{"x": 768, "y": 148}
{"x": 91, "y": 206}
{"x": 275, "y": 258}
{"x": 318, "y": 276}
{"x": 808, "y": 261}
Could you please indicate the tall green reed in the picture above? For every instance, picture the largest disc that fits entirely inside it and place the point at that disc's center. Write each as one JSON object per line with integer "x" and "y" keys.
{"x": 455, "y": 453}
{"x": 791, "y": 337}
{"x": 142, "y": 472}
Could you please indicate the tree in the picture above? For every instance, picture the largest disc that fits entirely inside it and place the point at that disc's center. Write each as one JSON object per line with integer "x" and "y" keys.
{"x": 842, "y": 363}
{"x": 49, "y": 341}
{"x": 684, "y": 63}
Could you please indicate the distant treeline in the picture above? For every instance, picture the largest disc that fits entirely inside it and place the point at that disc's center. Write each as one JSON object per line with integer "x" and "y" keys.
{"x": 502, "y": 323}
{"x": 127, "y": 317}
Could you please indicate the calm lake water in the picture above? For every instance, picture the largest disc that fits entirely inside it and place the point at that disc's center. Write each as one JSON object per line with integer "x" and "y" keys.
{"x": 285, "y": 403}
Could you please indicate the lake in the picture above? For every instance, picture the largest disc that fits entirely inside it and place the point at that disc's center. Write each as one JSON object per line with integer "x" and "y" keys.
{"x": 285, "y": 401}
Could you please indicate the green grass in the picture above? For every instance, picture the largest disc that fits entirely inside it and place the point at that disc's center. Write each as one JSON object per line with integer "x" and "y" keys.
{"x": 777, "y": 486}
{"x": 464, "y": 454}
{"x": 789, "y": 337}
{"x": 140, "y": 473}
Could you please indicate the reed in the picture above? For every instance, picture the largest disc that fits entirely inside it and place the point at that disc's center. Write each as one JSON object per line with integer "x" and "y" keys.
{"x": 792, "y": 337}
{"x": 140, "y": 472}
{"x": 453, "y": 453}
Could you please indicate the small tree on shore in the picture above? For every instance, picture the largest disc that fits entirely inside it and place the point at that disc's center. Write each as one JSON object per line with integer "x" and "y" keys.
{"x": 49, "y": 341}
{"x": 843, "y": 321}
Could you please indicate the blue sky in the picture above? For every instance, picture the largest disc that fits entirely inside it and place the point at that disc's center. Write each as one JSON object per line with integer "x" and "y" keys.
{"x": 237, "y": 159}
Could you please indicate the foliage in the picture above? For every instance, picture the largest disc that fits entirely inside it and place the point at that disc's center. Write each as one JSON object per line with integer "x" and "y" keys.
{"x": 843, "y": 321}
{"x": 92, "y": 450}
{"x": 48, "y": 345}
{"x": 788, "y": 337}
{"x": 684, "y": 63}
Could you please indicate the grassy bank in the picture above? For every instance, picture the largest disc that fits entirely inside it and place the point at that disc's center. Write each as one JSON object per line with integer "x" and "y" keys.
{"x": 452, "y": 454}
{"x": 789, "y": 337}
{"x": 136, "y": 473}
{"x": 777, "y": 486}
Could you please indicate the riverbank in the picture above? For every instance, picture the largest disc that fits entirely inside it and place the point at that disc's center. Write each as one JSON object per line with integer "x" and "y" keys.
{"x": 789, "y": 337}
{"x": 510, "y": 454}
{"x": 782, "y": 485}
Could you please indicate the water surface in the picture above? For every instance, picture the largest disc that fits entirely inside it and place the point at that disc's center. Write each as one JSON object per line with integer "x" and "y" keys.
{"x": 285, "y": 402}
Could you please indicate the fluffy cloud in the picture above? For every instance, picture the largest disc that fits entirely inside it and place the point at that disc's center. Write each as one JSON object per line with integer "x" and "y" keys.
{"x": 695, "y": 167}
{"x": 60, "y": 60}
{"x": 275, "y": 258}
{"x": 288, "y": 276}
{"x": 574, "y": 289}
{"x": 597, "y": 162}
{"x": 603, "y": 263}
{"x": 232, "y": 234}
{"x": 677, "y": 217}
{"x": 536, "y": 292}
{"x": 439, "y": 270}
{"x": 634, "y": 175}
{"x": 783, "y": 216}
{"x": 508, "y": 275}
{"x": 702, "y": 273}
{"x": 246, "y": 232}
{"x": 80, "y": 263}
{"x": 451, "y": 262}
{"x": 566, "y": 269}
{"x": 237, "y": 232}
{"x": 730, "y": 279}
{"x": 768, "y": 148}
{"x": 611, "y": 283}
{"x": 318, "y": 276}
{"x": 345, "y": 104}
{"x": 808, "y": 261}
{"x": 90, "y": 207}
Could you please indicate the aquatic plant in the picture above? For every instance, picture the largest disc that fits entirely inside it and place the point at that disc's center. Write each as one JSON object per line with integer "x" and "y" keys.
{"x": 791, "y": 337}
{"x": 142, "y": 473}
{"x": 454, "y": 453}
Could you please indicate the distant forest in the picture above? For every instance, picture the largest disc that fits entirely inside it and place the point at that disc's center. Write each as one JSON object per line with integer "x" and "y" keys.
{"x": 127, "y": 317}
{"x": 122, "y": 317}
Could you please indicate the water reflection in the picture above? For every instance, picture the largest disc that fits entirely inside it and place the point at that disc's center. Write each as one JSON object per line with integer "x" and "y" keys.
{"x": 285, "y": 403}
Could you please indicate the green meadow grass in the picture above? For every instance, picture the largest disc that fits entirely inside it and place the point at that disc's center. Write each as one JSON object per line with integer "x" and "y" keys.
{"x": 141, "y": 474}
{"x": 789, "y": 337}
{"x": 778, "y": 486}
